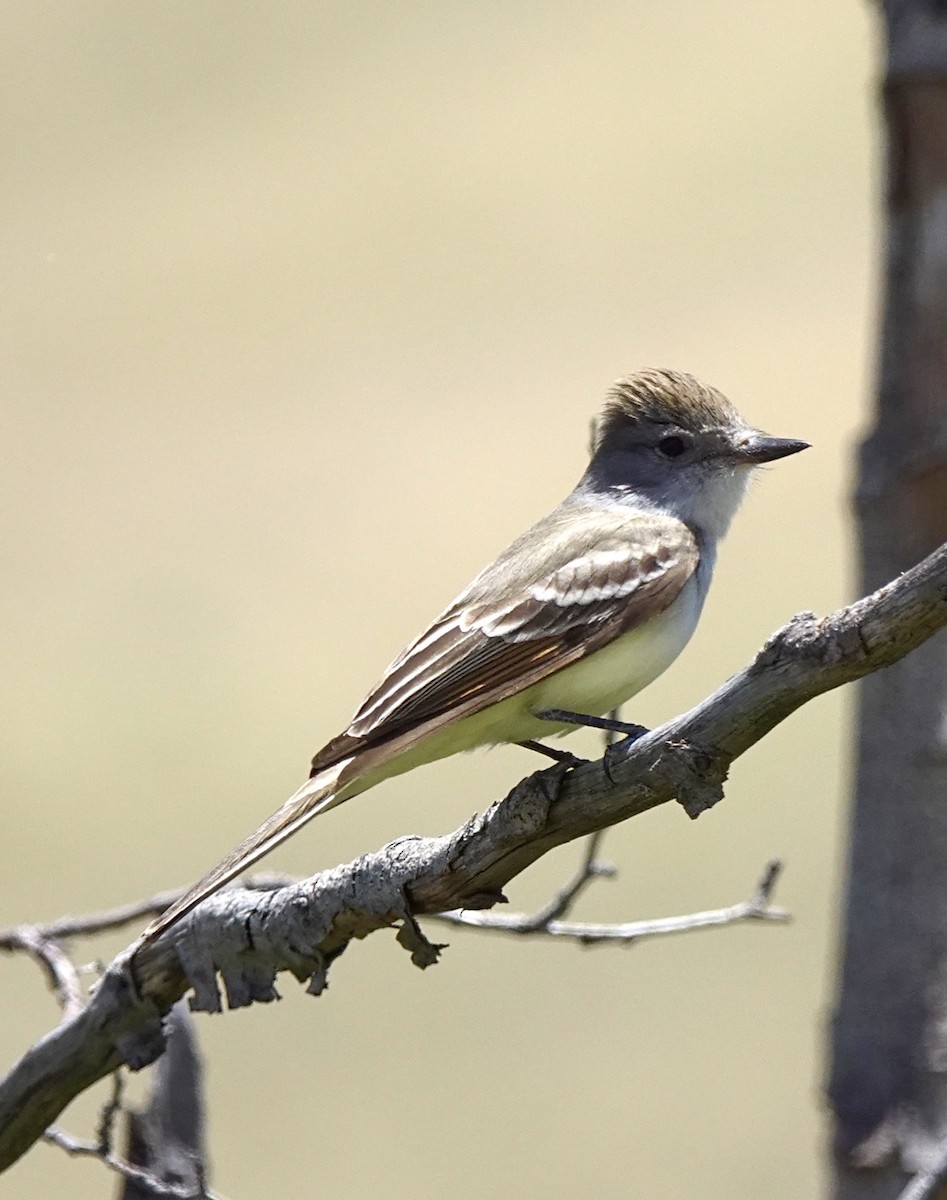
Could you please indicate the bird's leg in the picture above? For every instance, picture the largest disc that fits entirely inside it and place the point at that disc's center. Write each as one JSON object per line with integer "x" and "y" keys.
{"x": 559, "y": 756}
{"x": 562, "y": 717}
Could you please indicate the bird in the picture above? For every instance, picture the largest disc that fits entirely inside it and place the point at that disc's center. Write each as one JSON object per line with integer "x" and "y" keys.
{"x": 575, "y": 617}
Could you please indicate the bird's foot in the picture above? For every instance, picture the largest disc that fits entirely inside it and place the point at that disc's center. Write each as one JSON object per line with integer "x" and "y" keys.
{"x": 563, "y": 717}
{"x": 566, "y": 757}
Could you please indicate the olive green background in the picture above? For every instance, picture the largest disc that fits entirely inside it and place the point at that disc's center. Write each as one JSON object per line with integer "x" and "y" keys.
{"x": 305, "y": 310}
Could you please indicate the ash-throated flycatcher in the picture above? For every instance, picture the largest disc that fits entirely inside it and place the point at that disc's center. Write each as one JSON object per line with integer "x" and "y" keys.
{"x": 577, "y": 615}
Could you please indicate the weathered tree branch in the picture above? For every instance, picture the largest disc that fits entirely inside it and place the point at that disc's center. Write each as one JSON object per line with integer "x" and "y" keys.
{"x": 247, "y": 937}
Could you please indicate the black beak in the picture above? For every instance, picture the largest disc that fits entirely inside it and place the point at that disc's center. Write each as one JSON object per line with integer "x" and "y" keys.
{"x": 755, "y": 447}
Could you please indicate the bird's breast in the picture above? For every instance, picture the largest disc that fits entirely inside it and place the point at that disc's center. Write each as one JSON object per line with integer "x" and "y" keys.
{"x": 612, "y": 675}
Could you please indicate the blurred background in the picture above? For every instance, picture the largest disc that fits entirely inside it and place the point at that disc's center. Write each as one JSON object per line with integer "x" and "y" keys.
{"x": 295, "y": 295}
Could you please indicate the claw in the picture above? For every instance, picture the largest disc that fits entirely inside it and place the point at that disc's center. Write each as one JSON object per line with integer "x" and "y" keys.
{"x": 550, "y": 781}
{"x": 607, "y": 763}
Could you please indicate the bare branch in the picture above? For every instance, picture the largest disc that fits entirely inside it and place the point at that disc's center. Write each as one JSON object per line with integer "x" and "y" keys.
{"x": 110, "y": 1110}
{"x": 926, "y": 1184}
{"x": 248, "y": 937}
{"x": 126, "y": 914}
{"x": 60, "y": 972}
{"x": 757, "y": 908}
{"x": 590, "y": 868}
{"x": 80, "y": 1148}
{"x": 175, "y": 1115}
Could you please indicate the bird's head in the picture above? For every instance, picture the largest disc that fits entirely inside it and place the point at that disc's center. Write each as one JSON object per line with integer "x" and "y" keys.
{"x": 666, "y": 439}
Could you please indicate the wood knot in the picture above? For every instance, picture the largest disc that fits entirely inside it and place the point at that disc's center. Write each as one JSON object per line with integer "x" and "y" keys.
{"x": 789, "y": 642}
{"x": 697, "y": 774}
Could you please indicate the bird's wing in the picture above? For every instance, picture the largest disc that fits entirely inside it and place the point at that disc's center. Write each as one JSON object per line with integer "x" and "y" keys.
{"x": 512, "y": 628}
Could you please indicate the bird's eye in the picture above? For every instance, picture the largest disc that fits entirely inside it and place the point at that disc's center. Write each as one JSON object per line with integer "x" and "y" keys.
{"x": 672, "y": 447}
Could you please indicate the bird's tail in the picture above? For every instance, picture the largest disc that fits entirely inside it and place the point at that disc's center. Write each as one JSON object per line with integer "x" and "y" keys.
{"x": 317, "y": 795}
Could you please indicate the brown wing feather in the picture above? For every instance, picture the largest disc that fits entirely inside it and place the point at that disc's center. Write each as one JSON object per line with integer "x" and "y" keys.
{"x": 503, "y": 635}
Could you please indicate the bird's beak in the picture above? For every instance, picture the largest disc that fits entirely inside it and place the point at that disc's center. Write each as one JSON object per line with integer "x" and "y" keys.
{"x": 751, "y": 447}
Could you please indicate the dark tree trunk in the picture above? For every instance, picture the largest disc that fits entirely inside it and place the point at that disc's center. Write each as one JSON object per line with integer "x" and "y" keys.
{"x": 888, "y": 1085}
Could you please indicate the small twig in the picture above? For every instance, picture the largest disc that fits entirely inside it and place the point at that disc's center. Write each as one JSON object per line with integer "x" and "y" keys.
{"x": 125, "y": 914}
{"x": 925, "y": 1184}
{"x": 80, "y": 1148}
{"x": 60, "y": 971}
{"x": 757, "y": 908}
{"x": 110, "y": 1110}
{"x": 563, "y": 901}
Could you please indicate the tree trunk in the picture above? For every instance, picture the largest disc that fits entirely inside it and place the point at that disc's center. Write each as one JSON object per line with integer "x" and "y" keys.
{"x": 888, "y": 1086}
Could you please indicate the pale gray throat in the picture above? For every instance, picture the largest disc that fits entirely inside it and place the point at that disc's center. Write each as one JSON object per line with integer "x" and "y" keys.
{"x": 705, "y": 498}
{"x": 592, "y": 493}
